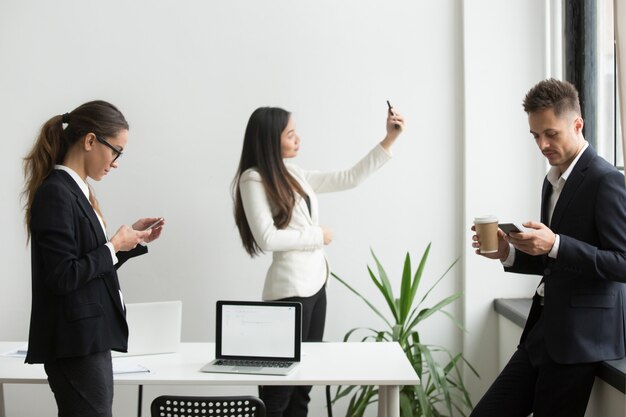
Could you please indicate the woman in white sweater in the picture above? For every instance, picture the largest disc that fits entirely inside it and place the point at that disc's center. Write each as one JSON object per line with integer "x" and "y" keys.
{"x": 276, "y": 211}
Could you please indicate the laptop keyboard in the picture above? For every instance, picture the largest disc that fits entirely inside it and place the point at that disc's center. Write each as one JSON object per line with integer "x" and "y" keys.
{"x": 259, "y": 364}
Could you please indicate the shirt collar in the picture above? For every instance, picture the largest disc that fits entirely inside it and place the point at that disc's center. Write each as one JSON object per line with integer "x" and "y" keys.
{"x": 554, "y": 175}
{"x": 79, "y": 181}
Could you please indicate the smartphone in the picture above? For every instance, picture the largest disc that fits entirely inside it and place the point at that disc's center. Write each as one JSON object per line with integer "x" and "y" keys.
{"x": 512, "y": 227}
{"x": 155, "y": 224}
{"x": 397, "y": 126}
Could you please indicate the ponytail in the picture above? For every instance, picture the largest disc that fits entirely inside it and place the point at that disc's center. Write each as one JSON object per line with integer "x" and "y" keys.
{"x": 54, "y": 141}
{"x": 49, "y": 150}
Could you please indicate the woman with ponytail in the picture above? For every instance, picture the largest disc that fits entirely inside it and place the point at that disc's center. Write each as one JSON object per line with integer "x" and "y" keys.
{"x": 276, "y": 210}
{"x": 78, "y": 313}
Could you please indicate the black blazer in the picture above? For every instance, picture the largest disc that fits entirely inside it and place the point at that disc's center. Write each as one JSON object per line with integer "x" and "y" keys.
{"x": 76, "y": 306}
{"x": 585, "y": 294}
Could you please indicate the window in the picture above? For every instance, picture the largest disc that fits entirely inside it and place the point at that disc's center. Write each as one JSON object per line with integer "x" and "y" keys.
{"x": 590, "y": 64}
{"x": 609, "y": 143}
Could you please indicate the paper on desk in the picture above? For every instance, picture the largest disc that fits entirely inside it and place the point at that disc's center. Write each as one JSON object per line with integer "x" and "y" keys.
{"x": 119, "y": 367}
{"x": 125, "y": 367}
{"x": 20, "y": 352}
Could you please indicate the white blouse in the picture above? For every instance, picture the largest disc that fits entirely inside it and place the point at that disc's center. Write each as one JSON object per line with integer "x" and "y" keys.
{"x": 299, "y": 267}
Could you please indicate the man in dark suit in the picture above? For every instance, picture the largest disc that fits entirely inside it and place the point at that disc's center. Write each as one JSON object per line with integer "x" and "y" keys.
{"x": 578, "y": 315}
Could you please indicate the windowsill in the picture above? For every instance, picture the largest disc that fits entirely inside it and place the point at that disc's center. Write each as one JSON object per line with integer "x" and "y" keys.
{"x": 516, "y": 310}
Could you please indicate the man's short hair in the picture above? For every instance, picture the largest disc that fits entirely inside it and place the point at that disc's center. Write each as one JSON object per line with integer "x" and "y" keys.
{"x": 560, "y": 96}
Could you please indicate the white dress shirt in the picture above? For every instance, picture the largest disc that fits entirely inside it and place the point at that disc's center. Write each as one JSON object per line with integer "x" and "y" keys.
{"x": 85, "y": 189}
{"x": 557, "y": 180}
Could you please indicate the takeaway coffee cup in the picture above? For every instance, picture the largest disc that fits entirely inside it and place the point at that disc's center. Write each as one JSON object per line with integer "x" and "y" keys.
{"x": 487, "y": 232}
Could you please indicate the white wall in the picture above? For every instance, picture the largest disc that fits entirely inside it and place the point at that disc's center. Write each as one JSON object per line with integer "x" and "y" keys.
{"x": 188, "y": 74}
{"x": 504, "y": 47}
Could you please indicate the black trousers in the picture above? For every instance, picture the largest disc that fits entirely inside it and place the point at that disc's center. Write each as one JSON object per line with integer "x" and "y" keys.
{"x": 82, "y": 386}
{"x": 533, "y": 383}
{"x": 292, "y": 401}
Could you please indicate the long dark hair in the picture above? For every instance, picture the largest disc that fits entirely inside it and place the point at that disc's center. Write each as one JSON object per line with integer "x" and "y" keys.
{"x": 261, "y": 151}
{"x": 53, "y": 143}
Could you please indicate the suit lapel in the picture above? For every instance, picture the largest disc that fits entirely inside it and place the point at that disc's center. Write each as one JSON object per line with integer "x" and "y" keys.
{"x": 546, "y": 191}
{"x": 113, "y": 286}
{"x": 571, "y": 185}
{"x": 303, "y": 207}
{"x": 300, "y": 201}
{"x": 85, "y": 206}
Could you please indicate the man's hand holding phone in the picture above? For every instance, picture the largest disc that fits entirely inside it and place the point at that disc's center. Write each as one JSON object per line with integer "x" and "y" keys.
{"x": 509, "y": 228}
{"x": 534, "y": 238}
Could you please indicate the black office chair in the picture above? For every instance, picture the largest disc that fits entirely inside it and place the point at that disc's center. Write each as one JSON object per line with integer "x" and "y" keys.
{"x": 182, "y": 406}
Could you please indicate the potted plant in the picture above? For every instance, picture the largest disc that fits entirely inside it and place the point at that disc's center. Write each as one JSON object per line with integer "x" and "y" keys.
{"x": 442, "y": 391}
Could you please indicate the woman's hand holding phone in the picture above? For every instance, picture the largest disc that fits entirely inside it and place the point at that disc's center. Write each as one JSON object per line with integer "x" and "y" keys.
{"x": 148, "y": 223}
{"x": 126, "y": 238}
{"x": 392, "y": 114}
{"x": 395, "y": 126}
{"x": 152, "y": 224}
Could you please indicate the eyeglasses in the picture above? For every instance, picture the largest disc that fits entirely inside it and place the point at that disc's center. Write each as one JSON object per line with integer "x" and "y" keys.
{"x": 116, "y": 151}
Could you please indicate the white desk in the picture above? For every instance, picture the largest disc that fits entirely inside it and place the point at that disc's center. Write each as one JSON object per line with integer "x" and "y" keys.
{"x": 382, "y": 364}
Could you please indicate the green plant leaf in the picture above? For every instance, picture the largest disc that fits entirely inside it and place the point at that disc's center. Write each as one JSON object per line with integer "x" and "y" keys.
{"x": 427, "y": 312}
{"x": 391, "y": 303}
{"x": 385, "y": 287}
{"x": 417, "y": 354}
{"x": 347, "y": 335}
{"x": 377, "y": 335}
{"x": 438, "y": 280}
{"x": 455, "y": 321}
{"x": 474, "y": 371}
{"x": 397, "y": 331}
{"x": 406, "y": 404}
{"x": 362, "y": 298}
{"x": 442, "y": 391}
{"x": 423, "y": 401}
{"x": 405, "y": 301}
{"x": 417, "y": 278}
{"x": 343, "y": 391}
{"x": 438, "y": 377}
{"x": 363, "y": 400}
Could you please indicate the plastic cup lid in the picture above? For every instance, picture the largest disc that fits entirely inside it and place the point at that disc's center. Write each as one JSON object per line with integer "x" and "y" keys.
{"x": 485, "y": 219}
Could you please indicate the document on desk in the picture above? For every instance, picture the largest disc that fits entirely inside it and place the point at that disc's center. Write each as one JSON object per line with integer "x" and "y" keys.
{"x": 120, "y": 366}
{"x": 20, "y": 352}
{"x": 127, "y": 367}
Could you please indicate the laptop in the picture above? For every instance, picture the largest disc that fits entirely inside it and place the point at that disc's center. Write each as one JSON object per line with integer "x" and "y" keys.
{"x": 257, "y": 337}
{"x": 153, "y": 328}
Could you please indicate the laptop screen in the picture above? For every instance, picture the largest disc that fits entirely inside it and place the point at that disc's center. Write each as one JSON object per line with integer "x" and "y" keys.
{"x": 258, "y": 330}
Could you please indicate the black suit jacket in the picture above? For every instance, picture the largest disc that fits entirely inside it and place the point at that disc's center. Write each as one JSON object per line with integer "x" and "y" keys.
{"x": 585, "y": 295}
{"x": 76, "y": 305}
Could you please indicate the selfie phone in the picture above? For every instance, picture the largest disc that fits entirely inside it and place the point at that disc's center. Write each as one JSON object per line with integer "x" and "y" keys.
{"x": 512, "y": 227}
{"x": 397, "y": 126}
{"x": 155, "y": 224}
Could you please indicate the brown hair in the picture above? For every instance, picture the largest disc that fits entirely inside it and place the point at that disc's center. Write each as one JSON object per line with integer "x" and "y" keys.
{"x": 53, "y": 142}
{"x": 261, "y": 151}
{"x": 561, "y": 96}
